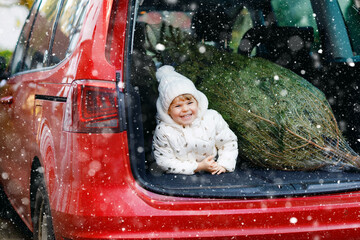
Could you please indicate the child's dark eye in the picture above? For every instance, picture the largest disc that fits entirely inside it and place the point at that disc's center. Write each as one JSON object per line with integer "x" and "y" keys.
{"x": 190, "y": 103}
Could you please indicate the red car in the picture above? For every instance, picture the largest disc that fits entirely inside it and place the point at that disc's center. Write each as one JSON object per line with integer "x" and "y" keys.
{"x": 78, "y": 113}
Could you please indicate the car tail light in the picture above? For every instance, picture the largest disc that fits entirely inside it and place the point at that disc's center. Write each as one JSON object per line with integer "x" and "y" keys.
{"x": 92, "y": 107}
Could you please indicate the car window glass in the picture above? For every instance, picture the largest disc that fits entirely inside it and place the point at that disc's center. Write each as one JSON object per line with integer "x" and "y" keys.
{"x": 37, "y": 51}
{"x": 296, "y": 14}
{"x": 18, "y": 55}
{"x": 155, "y": 21}
{"x": 68, "y": 29}
{"x": 351, "y": 13}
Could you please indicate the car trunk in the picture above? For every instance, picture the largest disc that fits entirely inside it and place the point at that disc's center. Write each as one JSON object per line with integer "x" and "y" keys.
{"x": 248, "y": 180}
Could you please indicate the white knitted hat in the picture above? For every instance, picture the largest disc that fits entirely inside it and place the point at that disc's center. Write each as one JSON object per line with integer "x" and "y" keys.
{"x": 173, "y": 84}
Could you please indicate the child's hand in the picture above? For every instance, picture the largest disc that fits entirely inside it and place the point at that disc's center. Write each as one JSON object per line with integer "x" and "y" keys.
{"x": 219, "y": 169}
{"x": 208, "y": 165}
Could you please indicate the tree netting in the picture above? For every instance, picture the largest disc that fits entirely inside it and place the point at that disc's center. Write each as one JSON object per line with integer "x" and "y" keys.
{"x": 282, "y": 121}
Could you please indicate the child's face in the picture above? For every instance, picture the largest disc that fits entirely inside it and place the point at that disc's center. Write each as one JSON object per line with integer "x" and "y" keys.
{"x": 183, "y": 110}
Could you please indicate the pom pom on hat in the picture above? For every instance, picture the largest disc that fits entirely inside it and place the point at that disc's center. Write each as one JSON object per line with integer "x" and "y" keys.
{"x": 165, "y": 71}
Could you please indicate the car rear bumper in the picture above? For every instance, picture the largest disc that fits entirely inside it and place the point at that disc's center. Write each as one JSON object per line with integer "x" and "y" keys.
{"x": 132, "y": 213}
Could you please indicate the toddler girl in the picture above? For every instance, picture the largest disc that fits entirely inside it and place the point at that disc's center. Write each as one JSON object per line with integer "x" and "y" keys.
{"x": 188, "y": 135}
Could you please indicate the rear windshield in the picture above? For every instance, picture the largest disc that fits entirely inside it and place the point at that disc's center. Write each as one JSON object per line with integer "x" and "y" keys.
{"x": 277, "y": 72}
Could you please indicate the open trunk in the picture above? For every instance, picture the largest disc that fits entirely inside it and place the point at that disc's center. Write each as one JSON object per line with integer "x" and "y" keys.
{"x": 330, "y": 71}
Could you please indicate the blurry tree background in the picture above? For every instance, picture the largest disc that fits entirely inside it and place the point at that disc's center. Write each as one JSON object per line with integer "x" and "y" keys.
{"x": 27, "y": 3}
{"x": 13, "y": 14}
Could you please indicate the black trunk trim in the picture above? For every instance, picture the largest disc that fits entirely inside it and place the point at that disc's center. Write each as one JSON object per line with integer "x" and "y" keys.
{"x": 50, "y": 98}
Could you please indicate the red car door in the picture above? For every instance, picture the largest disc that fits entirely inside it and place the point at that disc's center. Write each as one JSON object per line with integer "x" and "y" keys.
{"x": 18, "y": 138}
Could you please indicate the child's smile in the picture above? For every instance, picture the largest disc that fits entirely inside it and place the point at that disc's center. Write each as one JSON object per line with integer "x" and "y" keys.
{"x": 183, "y": 112}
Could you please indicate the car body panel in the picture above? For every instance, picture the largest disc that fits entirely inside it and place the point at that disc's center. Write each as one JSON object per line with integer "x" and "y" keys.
{"x": 38, "y": 100}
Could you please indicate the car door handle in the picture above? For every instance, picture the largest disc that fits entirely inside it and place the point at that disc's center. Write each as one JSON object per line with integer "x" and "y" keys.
{"x": 6, "y": 100}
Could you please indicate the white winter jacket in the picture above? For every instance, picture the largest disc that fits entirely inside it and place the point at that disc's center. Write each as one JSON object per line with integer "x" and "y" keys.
{"x": 177, "y": 149}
